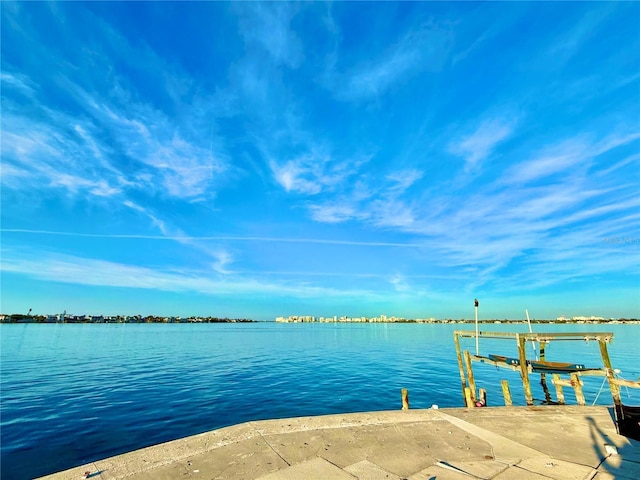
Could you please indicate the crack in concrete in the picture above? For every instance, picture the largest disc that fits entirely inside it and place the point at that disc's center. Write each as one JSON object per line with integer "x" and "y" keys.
{"x": 269, "y": 444}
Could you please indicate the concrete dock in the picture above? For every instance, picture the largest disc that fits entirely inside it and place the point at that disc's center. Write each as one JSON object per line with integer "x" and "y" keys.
{"x": 520, "y": 443}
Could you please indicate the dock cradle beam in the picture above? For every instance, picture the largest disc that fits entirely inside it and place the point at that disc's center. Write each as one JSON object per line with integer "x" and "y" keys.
{"x": 524, "y": 366}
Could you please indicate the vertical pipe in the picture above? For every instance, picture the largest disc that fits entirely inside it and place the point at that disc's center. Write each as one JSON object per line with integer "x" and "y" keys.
{"x": 472, "y": 381}
{"x": 533, "y": 343}
{"x": 477, "y": 344}
{"x": 463, "y": 380}
{"x": 524, "y": 371}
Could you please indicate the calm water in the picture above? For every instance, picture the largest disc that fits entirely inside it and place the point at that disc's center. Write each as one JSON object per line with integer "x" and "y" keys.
{"x": 77, "y": 393}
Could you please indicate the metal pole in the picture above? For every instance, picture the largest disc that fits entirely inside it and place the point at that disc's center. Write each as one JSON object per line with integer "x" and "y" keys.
{"x": 533, "y": 343}
{"x": 477, "y": 346}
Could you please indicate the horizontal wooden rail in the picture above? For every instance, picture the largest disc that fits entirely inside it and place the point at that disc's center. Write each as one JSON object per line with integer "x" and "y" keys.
{"x": 627, "y": 383}
{"x": 565, "y": 383}
{"x": 539, "y": 337}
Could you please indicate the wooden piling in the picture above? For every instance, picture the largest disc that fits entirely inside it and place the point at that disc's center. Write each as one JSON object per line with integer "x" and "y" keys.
{"x": 467, "y": 397}
{"x": 557, "y": 383}
{"x": 463, "y": 380}
{"x": 577, "y": 386}
{"x": 482, "y": 397}
{"x": 543, "y": 376}
{"x": 613, "y": 385}
{"x": 524, "y": 371}
{"x": 472, "y": 381}
{"x": 405, "y": 399}
{"x": 506, "y": 393}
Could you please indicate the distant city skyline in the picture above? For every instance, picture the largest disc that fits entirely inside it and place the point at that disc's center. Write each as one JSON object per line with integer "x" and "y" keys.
{"x": 254, "y": 160}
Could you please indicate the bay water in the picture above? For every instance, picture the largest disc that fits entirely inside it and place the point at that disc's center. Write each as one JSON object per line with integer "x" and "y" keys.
{"x": 75, "y": 393}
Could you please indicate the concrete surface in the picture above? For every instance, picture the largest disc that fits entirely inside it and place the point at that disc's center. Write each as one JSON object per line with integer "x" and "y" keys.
{"x": 502, "y": 443}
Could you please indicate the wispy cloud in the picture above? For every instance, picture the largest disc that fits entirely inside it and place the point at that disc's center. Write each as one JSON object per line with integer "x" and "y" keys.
{"x": 378, "y": 201}
{"x": 269, "y": 26}
{"x": 401, "y": 180}
{"x": 336, "y": 212}
{"x": 313, "y": 172}
{"x": 19, "y": 83}
{"x": 575, "y": 153}
{"x": 412, "y": 151}
{"x": 425, "y": 48}
{"x": 47, "y": 151}
{"x": 80, "y": 147}
{"x": 569, "y": 42}
{"x": 92, "y": 272}
{"x": 220, "y": 258}
{"x": 477, "y": 146}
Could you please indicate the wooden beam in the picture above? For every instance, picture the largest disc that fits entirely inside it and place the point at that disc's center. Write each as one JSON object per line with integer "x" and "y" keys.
{"x": 463, "y": 380}
{"x": 559, "y": 384}
{"x": 576, "y": 383}
{"x": 467, "y": 398}
{"x": 506, "y": 393}
{"x": 626, "y": 383}
{"x": 613, "y": 386}
{"x": 472, "y": 381}
{"x": 405, "y": 399}
{"x": 524, "y": 371}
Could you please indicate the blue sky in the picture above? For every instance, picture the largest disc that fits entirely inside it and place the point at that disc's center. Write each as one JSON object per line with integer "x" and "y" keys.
{"x": 265, "y": 159}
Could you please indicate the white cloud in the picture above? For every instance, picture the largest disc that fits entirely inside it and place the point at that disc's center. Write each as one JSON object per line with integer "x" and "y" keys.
{"x": 575, "y": 153}
{"x": 377, "y": 201}
{"x": 47, "y": 152}
{"x": 402, "y": 180}
{"x": 569, "y": 43}
{"x": 18, "y": 82}
{"x": 223, "y": 258}
{"x": 269, "y": 26}
{"x": 313, "y": 172}
{"x": 335, "y": 213}
{"x": 291, "y": 174}
{"x": 92, "y": 272}
{"x": 220, "y": 257}
{"x": 423, "y": 49}
{"x": 480, "y": 144}
{"x": 169, "y": 142}
{"x": 390, "y": 212}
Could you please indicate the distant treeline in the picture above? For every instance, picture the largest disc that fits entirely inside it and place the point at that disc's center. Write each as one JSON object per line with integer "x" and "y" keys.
{"x": 21, "y": 318}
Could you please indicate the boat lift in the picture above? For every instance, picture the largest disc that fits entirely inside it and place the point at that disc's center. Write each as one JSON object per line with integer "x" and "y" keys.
{"x": 628, "y": 418}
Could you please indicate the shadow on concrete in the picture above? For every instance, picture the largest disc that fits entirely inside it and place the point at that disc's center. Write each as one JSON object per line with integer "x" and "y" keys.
{"x": 621, "y": 461}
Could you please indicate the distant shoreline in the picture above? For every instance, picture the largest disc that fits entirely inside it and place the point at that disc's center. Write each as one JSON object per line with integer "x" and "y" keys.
{"x": 44, "y": 320}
